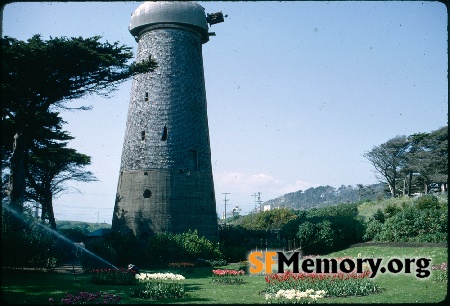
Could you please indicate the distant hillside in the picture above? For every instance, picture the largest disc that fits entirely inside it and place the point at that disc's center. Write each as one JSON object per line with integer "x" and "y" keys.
{"x": 84, "y": 226}
{"x": 326, "y": 195}
{"x": 303, "y": 200}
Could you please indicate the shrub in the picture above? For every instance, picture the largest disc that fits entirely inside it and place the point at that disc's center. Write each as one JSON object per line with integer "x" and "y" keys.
{"x": 379, "y": 216}
{"x": 127, "y": 247}
{"x": 326, "y": 230}
{"x": 100, "y": 254}
{"x": 373, "y": 227}
{"x": 165, "y": 248}
{"x": 427, "y": 202}
{"x": 74, "y": 234}
{"x": 414, "y": 225}
{"x": 20, "y": 234}
{"x": 267, "y": 220}
{"x": 316, "y": 237}
{"x": 390, "y": 210}
{"x": 197, "y": 247}
{"x": 216, "y": 262}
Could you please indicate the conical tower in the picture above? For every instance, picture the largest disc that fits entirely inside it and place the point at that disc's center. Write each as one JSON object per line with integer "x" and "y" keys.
{"x": 165, "y": 181}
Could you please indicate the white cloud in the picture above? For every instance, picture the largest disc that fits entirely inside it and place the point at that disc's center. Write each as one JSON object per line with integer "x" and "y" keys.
{"x": 242, "y": 183}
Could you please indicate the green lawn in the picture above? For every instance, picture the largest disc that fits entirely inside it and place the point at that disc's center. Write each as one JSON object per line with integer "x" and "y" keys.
{"x": 25, "y": 287}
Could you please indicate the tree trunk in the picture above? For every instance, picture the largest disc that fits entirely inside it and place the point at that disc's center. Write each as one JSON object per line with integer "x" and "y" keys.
{"x": 392, "y": 189}
{"x": 17, "y": 182}
{"x": 404, "y": 187}
{"x": 48, "y": 203}
{"x": 410, "y": 182}
{"x": 43, "y": 212}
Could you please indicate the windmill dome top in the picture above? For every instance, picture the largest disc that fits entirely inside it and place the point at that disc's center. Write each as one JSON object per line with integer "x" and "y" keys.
{"x": 185, "y": 13}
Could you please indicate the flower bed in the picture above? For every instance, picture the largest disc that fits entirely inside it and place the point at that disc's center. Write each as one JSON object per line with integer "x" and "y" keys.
{"x": 88, "y": 298}
{"x": 227, "y": 276}
{"x": 335, "y": 284}
{"x": 293, "y": 296}
{"x": 182, "y": 267}
{"x": 159, "y": 286}
{"x": 440, "y": 272}
{"x": 112, "y": 277}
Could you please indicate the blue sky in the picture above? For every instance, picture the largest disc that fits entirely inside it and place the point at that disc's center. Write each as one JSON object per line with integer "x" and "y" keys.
{"x": 297, "y": 91}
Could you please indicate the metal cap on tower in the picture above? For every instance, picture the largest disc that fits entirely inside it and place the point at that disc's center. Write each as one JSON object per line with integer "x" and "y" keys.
{"x": 166, "y": 13}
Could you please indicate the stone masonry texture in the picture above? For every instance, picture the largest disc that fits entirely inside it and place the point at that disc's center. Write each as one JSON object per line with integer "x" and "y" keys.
{"x": 165, "y": 181}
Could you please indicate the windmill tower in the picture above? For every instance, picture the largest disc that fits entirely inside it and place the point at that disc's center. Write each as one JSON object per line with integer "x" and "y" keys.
{"x": 165, "y": 181}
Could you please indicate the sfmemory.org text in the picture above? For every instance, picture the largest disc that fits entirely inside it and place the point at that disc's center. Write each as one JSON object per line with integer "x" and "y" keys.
{"x": 263, "y": 261}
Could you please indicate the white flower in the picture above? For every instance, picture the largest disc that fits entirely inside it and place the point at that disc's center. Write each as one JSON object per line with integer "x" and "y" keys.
{"x": 146, "y": 277}
{"x": 301, "y": 294}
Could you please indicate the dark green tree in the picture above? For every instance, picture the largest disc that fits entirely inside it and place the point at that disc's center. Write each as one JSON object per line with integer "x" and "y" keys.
{"x": 267, "y": 220}
{"x": 428, "y": 158}
{"x": 50, "y": 164}
{"x": 39, "y": 76}
{"x": 389, "y": 160}
{"x": 316, "y": 237}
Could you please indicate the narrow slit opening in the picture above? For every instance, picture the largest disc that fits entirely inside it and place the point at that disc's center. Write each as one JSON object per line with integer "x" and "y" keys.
{"x": 164, "y": 135}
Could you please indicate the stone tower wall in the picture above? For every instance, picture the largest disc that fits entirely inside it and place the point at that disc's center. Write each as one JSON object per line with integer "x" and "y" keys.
{"x": 165, "y": 181}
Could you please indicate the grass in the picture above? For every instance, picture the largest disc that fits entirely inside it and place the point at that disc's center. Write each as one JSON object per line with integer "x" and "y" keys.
{"x": 33, "y": 287}
{"x": 368, "y": 209}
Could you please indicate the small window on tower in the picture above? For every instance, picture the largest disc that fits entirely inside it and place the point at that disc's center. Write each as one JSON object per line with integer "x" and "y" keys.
{"x": 147, "y": 193}
{"x": 143, "y": 135}
{"x": 146, "y": 97}
{"x": 164, "y": 135}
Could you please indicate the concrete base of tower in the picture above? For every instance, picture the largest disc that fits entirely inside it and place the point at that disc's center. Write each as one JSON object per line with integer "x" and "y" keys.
{"x": 165, "y": 201}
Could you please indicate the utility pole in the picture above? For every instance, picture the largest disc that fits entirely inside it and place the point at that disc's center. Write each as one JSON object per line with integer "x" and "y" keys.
{"x": 256, "y": 196}
{"x": 225, "y": 201}
{"x": 259, "y": 201}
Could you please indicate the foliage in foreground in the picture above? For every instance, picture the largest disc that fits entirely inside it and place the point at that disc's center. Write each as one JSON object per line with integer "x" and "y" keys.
{"x": 20, "y": 235}
{"x": 31, "y": 287}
